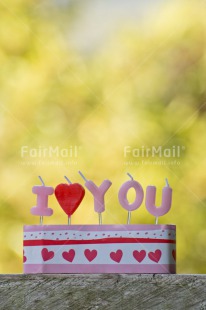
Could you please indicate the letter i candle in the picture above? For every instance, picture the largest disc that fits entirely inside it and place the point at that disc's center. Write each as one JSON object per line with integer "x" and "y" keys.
{"x": 100, "y": 248}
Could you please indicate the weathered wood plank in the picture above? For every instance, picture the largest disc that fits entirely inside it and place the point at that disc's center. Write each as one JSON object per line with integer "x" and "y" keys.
{"x": 109, "y": 291}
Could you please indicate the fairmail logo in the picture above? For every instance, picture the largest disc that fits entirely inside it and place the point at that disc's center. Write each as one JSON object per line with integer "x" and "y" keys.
{"x": 50, "y": 152}
{"x": 174, "y": 151}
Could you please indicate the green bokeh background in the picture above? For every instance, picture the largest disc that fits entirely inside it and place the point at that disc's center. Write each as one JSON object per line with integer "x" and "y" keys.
{"x": 144, "y": 86}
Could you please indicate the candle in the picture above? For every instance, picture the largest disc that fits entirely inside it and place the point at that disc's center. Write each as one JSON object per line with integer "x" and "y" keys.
{"x": 69, "y": 197}
{"x": 42, "y": 193}
{"x": 123, "y": 196}
{"x": 98, "y": 193}
{"x": 166, "y": 201}
{"x": 69, "y": 182}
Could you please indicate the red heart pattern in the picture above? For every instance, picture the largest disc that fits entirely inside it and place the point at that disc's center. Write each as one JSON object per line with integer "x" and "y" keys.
{"x": 47, "y": 255}
{"x": 155, "y": 256}
{"x": 69, "y": 256}
{"x": 116, "y": 256}
{"x": 139, "y": 255}
{"x": 69, "y": 196}
{"x": 90, "y": 255}
{"x": 24, "y": 258}
{"x": 174, "y": 254}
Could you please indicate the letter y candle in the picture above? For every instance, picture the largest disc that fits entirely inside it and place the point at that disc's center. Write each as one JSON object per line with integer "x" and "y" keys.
{"x": 98, "y": 193}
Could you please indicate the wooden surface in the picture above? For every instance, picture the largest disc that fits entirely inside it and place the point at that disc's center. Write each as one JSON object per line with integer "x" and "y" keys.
{"x": 92, "y": 292}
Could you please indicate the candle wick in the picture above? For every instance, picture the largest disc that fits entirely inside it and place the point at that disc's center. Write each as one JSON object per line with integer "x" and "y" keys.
{"x": 40, "y": 178}
{"x": 82, "y": 176}
{"x": 167, "y": 183}
{"x": 130, "y": 175}
{"x": 68, "y": 180}
{"x": 129, "y": 218}
{"x": 100, "y": 218}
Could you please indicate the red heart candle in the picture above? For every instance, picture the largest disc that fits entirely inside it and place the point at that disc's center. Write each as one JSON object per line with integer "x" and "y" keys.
{"x": 69, "y": 196}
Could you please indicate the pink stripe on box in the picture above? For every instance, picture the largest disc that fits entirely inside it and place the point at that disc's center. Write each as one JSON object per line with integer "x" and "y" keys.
{"x": 78, "y": 268}
{"x": 31, "y": 228}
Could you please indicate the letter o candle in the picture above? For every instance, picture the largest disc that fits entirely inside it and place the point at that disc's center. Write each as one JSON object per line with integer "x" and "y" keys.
{"x": 123, "y": 196}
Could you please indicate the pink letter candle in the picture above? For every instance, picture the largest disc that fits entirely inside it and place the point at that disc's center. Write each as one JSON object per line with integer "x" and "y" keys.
{"x": 123, "y": 196}
{"x": 166, "y": 201}
{"x": 98, "y": 193}
{"x": 42, "y": 193}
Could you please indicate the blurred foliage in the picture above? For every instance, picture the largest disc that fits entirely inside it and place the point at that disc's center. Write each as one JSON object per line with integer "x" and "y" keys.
{"x": 144, "y": 87}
